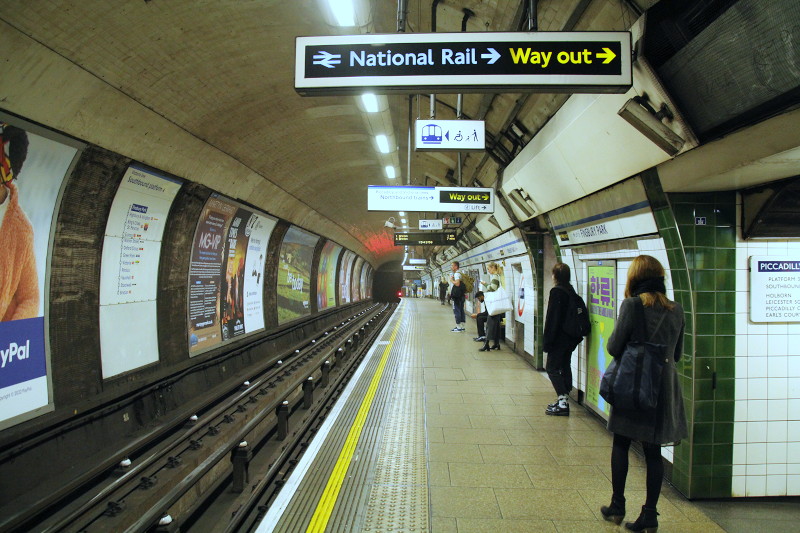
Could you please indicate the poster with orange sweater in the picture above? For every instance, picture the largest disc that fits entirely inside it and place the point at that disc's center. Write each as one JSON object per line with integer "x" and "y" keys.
{"x": 33, "y": 165}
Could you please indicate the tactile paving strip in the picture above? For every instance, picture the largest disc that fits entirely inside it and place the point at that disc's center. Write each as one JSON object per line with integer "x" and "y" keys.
{"x": 386, "y": 484}
{"x": 398, "y": 499}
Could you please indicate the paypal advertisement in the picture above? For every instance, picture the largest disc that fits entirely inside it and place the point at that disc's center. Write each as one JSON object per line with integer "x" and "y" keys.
{"x": 32, "y": 173}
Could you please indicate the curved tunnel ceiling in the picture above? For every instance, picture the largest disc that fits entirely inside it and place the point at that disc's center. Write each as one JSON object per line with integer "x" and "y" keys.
{"x": 205, "y": 90}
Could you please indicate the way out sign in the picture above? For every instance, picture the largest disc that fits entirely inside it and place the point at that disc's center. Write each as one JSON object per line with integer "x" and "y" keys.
{"x": 590, "y": 62}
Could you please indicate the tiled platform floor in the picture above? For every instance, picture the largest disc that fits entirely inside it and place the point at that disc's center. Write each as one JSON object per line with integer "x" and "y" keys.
{"x": 497, "y": 463}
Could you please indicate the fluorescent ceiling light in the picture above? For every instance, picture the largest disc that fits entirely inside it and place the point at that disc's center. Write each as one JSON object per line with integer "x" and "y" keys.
{"x": 370, "y": 102}
{"x": 390, "y": 173}
{"x": 402, "y": 213}
{"x": 404, "y": 221}
{"x": 383, "y": 143}
{"x": 343, "y": 11}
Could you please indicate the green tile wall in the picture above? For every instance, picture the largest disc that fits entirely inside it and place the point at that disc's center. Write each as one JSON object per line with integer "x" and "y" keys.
{"x": 709, "y": 254}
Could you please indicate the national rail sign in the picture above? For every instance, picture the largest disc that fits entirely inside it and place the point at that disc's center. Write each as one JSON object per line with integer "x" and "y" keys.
{"x": 430, "y": 199}
{"x": 553, "y": 62}
{"x": 424, "y": 239}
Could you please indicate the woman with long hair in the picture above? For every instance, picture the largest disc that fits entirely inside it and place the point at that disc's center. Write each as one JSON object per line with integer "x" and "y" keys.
{"x": 664, "y": 323}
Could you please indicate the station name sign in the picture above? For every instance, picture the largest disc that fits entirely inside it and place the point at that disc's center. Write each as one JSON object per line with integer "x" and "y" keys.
{"x": 430, "y": 199}
{"x": 424, "y": 239}
{"x": 569, "y": 62}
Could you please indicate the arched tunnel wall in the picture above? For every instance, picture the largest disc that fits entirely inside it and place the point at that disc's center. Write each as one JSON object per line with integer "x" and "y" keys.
{"x": 388, "y": 281}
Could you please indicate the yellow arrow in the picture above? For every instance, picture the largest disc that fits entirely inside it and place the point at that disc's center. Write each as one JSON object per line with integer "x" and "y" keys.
{"x": 485, "y": 196}
{"x": 606, "y": 54}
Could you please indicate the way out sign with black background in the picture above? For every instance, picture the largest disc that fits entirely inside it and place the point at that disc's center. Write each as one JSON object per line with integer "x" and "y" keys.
{"x": 592, "y": 62}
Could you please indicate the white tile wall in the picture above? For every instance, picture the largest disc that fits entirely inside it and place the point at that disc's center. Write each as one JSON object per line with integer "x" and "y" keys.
{"x": 766, "y": 431}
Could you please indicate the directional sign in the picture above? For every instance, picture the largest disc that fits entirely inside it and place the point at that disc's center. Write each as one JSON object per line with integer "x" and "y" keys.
{"x": 430, "y": 199}
{"x": 424, "y": 239}
{"x": 431, "y": 224}
{"x": 450, "y": 135}
{"x": 452, "y": 221}
{"x": 569, "y": 62}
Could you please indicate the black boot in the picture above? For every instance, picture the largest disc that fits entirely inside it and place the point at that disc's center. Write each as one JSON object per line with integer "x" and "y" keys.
{"x": 485, "y": 348}
{"x": 615, "y": 512}
{"x": 647, "y": 521}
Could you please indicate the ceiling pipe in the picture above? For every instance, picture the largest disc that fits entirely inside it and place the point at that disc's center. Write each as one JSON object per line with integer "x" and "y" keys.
{"x": 468, "y": 13}
{"x": 533, "y": 23}
{"x": 434, "y": 6}
{"x": 402, "y": 11}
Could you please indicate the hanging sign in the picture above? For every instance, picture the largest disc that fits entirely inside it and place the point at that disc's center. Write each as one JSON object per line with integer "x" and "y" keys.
{"x": 566, "y": 62}
{"x": 430, "y": 199}
{"x": 460, "y": 135}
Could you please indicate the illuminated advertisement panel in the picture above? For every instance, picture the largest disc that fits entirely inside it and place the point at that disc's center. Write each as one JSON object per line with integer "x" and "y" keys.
{"x": 355, "y": 281}
{"x": 294, "y": 274}
{"x": 129, "y": 270}
{"x": 602, "y": 303}
{"x": 326, "y": 275}
{"x": 226, "y": 273}
{"x": 345, "y": 272}
{"x": 32, "y": 171}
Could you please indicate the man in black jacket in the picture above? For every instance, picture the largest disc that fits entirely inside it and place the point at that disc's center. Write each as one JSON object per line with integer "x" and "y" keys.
{"x": 558, "y": 344}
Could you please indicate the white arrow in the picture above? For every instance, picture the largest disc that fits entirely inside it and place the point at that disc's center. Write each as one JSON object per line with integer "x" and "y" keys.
{"x": 492, "y": 56}
{"x": 327, "y": 59}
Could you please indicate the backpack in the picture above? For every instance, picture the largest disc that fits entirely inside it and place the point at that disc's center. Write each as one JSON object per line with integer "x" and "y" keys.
{"x": 468, "y": 282}
{"x": 576, "y": 320}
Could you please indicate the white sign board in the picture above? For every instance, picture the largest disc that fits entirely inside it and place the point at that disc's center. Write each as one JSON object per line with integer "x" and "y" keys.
{"x": 431, "y": 224}
{"x": 413, "y": 267}
{"x": 774, "y": 289}
{"x": 453, "y": 135}
{"x": 412, "y": 261}
{"x": 420, "y": 199}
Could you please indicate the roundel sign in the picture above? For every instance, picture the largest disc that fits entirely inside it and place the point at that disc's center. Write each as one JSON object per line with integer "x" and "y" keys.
{"x": 521, "y": 297}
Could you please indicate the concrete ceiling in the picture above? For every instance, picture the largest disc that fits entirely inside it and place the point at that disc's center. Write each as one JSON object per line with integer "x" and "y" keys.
{"x": 205, "y": 89}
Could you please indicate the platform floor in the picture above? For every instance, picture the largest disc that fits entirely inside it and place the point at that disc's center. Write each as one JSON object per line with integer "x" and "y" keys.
{"x": 437, "y": 436}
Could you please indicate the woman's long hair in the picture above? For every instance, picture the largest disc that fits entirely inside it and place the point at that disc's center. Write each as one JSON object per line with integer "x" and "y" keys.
{"x": 647, "y": 267}
{"x": 498, "y": 269}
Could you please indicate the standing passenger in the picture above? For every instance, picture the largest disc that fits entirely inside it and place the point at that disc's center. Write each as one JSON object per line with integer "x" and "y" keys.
{"x": 664, "y": 324}
{"x": 442, "y": 290}
{"x": 458, "y": 296}
{"x": 558, "y": 344}
{"x": 493, "y": 321}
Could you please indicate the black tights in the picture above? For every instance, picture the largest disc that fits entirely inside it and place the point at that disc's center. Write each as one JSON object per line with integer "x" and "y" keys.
{"x": 619, "y": 469}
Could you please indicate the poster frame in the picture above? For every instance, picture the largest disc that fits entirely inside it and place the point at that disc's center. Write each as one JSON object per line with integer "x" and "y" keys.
{"x": 608, "y": 263}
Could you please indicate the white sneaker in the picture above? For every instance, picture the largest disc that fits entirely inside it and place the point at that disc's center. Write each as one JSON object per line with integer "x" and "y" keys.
{"x": 456, "y": 329}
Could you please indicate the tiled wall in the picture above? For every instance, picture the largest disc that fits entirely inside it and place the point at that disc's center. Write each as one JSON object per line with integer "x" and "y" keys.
{"x": 707, "y": 226}
{"x": 766, "y": 428}
{"x": 536, "y": 247}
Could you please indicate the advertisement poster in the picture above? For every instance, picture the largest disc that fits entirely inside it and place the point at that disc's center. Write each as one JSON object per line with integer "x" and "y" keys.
{"x": 226, "y": 273}
{"x": 32, "y": 172}
{"x": 257, "y": 230}
{"x": 326, "y": 275}
{"x": 602, "y": 304}
{"x": 241, "y": 285}
{"x": 294, "y": 274}
{"x": 205, "y": 274}
{"x": 355, "y": 281}
{"x": 364, "y": 273}
{"x": 344, "y": 276}
{"x": 129, "y": 270}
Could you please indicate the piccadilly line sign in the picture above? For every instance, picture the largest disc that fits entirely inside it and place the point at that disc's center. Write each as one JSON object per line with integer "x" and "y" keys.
{"x": 464, "y": 62}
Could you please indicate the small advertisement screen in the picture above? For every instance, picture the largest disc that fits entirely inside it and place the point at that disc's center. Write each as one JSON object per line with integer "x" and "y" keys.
{"x": 129, "y": 270}
{"x": 226, "y": 273}
{"x": 345, "y": 272}
{"x": 326, "y": 275}
{"x": 32, "y": 171}
{"x": 602, "y": 306}
{"x": 294, "y": 274}
{"x": 355, "y": 281}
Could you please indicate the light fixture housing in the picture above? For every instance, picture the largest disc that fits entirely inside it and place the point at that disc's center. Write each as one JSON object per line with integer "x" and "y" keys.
{"x": 651, "y": 127}
{"x": 383, "y": 143}
{"x": 390, "y": 172}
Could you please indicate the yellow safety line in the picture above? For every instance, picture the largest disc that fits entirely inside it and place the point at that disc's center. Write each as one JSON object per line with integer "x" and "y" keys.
{"x": 331, "y": 493}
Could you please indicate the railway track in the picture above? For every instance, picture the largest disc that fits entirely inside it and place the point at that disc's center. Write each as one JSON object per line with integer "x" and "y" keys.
{"x": 220, "y": 469}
